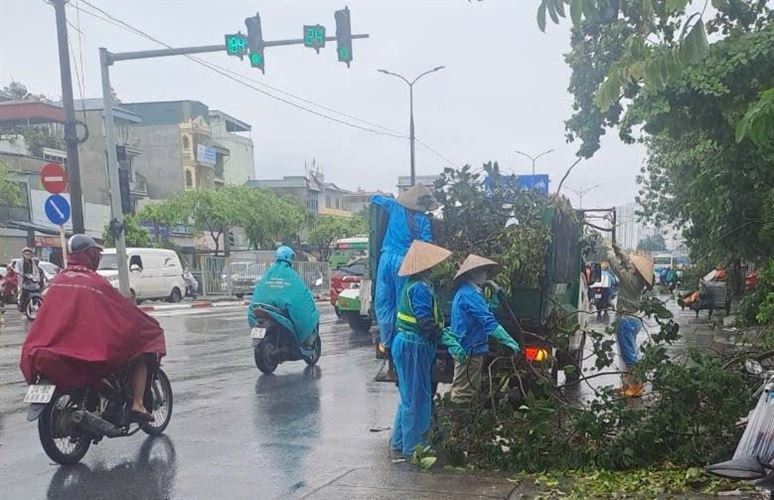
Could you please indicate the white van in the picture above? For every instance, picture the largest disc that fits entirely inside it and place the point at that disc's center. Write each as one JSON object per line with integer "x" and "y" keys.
{"x": 154, "y": 273}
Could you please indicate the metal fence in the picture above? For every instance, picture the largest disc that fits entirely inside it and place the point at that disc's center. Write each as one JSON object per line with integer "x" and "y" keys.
{"x": 238, "y": 274}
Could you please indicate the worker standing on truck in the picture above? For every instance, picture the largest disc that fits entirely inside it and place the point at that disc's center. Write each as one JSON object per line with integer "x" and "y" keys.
{"x": 419, "y": 329}
{"x": 472, "y": 322}
{"x": 635, "y": 275}
{"x": 407, "y": 222}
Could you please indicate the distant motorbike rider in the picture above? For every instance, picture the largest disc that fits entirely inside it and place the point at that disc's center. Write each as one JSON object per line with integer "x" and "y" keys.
{"x": 192, "y": 286}
{"x": 8, "y": 287}
{"x": 32, "y": 277}
{"x": 87, "y": 330}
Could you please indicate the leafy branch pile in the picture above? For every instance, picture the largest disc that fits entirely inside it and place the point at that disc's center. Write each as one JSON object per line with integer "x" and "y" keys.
{"x": 487, "y": 214}
{"x": 688, "y": 417}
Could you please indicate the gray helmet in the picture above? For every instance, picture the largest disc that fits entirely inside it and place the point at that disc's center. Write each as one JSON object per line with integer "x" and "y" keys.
{"x": 80, "y": 243}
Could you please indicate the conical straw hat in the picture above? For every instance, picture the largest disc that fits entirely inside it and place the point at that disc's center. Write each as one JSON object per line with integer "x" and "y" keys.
{"x": 418, "y": 198}
{"x": 644, "y": 266}
{"x": 422, "y": 256}
{"x": 473, "y": 262}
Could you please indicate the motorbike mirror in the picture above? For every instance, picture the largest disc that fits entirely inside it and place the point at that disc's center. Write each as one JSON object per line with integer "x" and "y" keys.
{"x": 752, "y": 366}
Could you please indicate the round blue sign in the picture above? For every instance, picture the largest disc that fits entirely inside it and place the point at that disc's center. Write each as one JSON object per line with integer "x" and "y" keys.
{"x": 57, "y": 209}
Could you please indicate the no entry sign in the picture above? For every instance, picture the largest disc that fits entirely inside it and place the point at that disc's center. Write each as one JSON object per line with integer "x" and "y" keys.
{"x": 53, "y": 178}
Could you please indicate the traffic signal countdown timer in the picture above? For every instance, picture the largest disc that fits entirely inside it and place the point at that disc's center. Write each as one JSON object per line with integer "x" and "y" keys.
{"x": 252, "y": 45}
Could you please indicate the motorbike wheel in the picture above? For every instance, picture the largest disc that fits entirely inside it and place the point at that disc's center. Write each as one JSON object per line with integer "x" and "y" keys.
{"x": 33, "y": 305}
{"x": 64, "y": 444}
{"x": 317, "y": 352}
{"x": 161, "y": 408}
{"x": 265, "y": 359}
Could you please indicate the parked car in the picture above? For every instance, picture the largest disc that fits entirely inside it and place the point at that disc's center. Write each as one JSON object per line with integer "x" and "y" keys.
{"x": 347, "y": 277}
{"x": 239, "y": 278}
{"x": 154, "y": 273}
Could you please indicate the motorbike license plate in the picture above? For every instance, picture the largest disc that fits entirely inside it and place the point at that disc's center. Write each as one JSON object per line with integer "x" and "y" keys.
{"x": 258, "y": 332}
{"x": 597, "y": 295}
{"x": 39, "y": 393}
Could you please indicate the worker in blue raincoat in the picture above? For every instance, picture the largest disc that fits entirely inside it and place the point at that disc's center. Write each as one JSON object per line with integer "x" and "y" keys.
{"x": 407, "y": 222}
{"x": 419, "y": 329}
{"x": 472, "y": 322}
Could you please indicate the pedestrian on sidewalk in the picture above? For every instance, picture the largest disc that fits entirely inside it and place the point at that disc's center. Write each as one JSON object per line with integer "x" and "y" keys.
{"x": 420, "y": 327}
{"x": 635, "y": 276}
{"x": 8, "y": 287}
{"x": 472, "y": 322}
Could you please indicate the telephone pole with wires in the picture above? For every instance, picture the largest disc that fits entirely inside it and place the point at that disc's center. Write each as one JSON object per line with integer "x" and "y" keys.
{"x": 70, "y": 131}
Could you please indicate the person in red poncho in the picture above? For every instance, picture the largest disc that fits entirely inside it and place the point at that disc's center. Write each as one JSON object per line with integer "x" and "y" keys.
{"x": 86, "y": 330}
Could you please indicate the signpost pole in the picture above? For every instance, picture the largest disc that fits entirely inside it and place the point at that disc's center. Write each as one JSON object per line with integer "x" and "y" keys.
{"x": 117, "y": 221}
{"x": 63, "y": 240}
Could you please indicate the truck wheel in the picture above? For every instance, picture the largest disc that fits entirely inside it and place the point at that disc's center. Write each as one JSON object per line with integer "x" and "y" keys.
{"x": 358, "y": 323}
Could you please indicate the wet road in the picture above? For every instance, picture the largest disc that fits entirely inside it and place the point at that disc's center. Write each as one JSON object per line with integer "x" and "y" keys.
{"x": 235, "y": 433}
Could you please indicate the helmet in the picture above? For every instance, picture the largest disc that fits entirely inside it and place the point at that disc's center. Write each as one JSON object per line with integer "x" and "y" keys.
{"x": 285, "y": 253}
{"x": 80, "y": 243}
{"x": 26, "y": 250}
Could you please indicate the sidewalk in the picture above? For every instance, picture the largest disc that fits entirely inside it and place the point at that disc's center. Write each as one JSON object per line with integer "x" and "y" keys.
{"x": 196, "y": 304}
{"x": 396, "y": 482}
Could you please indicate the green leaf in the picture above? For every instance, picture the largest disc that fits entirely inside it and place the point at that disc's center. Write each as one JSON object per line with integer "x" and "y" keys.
{"x": 552, "y": 11}
{"x": 695, "y": 44}
{"x": 427, "y": 462}
{"x": 576, "y": 12}
{"x": 673, "y": 6}
{"x": 541, "y": 16}
{"x": 559, "y": 4}
{"x": 719, "y": 4}
{"x": 589, "y": 10}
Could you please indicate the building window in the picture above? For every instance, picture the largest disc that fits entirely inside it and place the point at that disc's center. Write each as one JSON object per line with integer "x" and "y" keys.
{"x": 188, "y": 179}
{"x": 186, "y": 142}
{"x": 328, "y": 202}
{"x": 19, "y": 211}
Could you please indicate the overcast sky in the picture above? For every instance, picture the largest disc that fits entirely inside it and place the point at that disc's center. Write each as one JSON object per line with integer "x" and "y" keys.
{"x": 504, "y": 86}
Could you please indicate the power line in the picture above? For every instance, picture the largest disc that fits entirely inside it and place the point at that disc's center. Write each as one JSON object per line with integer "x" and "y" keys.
{"x": 243, "y": 80}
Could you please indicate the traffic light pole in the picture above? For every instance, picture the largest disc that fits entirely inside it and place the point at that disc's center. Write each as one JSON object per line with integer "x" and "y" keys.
{"x": 107, "y": 59}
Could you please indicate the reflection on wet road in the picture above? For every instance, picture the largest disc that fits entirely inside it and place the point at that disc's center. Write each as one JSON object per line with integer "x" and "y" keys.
{"x": 235, "y": 433}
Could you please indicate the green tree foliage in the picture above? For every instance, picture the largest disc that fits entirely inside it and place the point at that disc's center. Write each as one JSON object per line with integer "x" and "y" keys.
{"x": 654, "y": 243}
{"x": 214, "y": 211}
{"x": 268, "y": 219}
{"x": 136, "y": 236}
{"x": 327, "y": 229}
{"x": 703, "y": 110}
{"x": 9, "y": 191}
{"x": 163, "y": 216}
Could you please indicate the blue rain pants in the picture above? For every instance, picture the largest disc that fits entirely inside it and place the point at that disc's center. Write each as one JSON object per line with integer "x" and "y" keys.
{"x": 413, "y": 358}
{"x": 388, "y": 289}
{"x": 626, "y": 336}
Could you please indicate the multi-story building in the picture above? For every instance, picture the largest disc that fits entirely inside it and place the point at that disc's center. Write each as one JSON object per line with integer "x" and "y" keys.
{"x": 307, "y": 191}
{"x": 239, "y": 164}
{"x": 357, "y": 201}
{"x": 186, "y": 146}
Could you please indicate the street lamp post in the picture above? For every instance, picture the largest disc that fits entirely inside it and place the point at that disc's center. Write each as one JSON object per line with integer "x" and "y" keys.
{"x": 534, "y": 159}
{"x": 582, "y": 191}
{"x": 411, "y": 107}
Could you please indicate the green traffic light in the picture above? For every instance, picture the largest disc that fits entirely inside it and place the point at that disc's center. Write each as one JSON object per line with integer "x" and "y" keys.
{"x": 256, "y": 60}
{"x": 344, "y": 54}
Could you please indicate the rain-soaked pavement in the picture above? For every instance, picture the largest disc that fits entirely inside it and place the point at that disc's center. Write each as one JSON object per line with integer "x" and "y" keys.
{"x": 317, "y": 432}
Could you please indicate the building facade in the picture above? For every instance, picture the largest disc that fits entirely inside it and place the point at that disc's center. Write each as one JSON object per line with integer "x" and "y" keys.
{"x": 404, "y": 182}
{"x": 239, "y": 164}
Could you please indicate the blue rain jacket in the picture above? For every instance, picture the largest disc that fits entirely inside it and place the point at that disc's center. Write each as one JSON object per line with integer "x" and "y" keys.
{"x": 413, "y": 357}
{"x": 471, "y": 320}
{"x": 397, "y": 239}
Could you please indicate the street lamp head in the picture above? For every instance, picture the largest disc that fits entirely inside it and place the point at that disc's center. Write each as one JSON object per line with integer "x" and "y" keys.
{"x": 383, "y": 71}
{"x": 438, "y": 68}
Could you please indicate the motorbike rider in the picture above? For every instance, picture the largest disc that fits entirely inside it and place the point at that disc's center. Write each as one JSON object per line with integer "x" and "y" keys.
{"x": 191, "y": 284}
{"x": 420, "y": 329}
{"x": 407, "y": 222}
{"x": 473, "y": 323}
{"x": 31, "y": 276}
{"x": 283, "y": 288}
{"x": 87, "y": 330}
{"x": 8, "y": 287}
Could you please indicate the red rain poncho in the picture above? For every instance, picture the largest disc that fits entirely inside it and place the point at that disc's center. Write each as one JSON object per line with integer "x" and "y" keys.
{"x": 86, "y": 330}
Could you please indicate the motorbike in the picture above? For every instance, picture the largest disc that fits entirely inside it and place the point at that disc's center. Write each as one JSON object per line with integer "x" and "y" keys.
{"x": 601, "y": 297}
{"x": 34, "y": 288}
{"x": 275, "y": 342}
{"x": 753, "y": 459}
{"x": 69, "y": 422}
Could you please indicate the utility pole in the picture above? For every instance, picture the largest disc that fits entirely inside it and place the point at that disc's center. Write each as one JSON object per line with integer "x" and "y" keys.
{"x": 70, "y": 133}
{"x": 582, "y": 191}
{"x": 411, "y": 108}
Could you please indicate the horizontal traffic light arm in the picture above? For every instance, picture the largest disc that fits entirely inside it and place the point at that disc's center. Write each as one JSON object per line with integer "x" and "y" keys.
{"x": 148, "y": 54}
